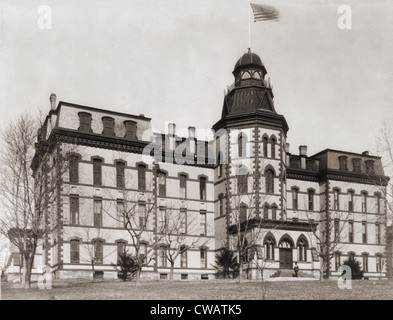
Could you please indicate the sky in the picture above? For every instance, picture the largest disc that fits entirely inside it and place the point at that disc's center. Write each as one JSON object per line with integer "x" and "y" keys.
{"x": 172, "y": 59}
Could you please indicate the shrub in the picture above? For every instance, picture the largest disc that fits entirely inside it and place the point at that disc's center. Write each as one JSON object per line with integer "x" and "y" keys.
{"x": 226, "y": 264}
{"x": 357, "y": 272}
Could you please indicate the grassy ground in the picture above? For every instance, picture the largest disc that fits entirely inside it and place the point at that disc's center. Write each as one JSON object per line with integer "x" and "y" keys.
{"x": 215, "y": 290}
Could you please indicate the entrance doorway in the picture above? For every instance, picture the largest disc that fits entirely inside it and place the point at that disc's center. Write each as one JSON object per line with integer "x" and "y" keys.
{"x": 285, "y": 255}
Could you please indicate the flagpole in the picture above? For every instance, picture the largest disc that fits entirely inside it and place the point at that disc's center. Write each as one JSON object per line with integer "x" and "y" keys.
{"x": 249, "y": 25}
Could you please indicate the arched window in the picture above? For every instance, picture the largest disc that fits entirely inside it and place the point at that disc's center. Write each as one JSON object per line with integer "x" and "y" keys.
{"x": 120, "y": 179}
{"x": 266, "y": 212}
{"x": 220, "y": 165}
{"x": 273, "y": 147}
{"x": 302, "y": 250}
{"x": 242, "y": 180}
{"x": 74, "y": 248}
{"x": 269, "y": 248}
{"x": 242, "y": 143}
{"x": 285, "y": 244}
{"x": 274, "y": 212}
{"x": 246, "y": 75}
{"x": 256, "y": 75}
{"x": 109, "y": 125}
{"x": 242, "y": 213}
{"x": 141, "y": 177}
{"x": 265, "y": 141}
{"x": 98, "y": 251}
{"x": 269, "y": 181}
{"x": 97, "y": 172}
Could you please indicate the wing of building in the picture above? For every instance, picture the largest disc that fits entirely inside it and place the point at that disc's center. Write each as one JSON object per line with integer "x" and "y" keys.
{"x": 242, "y": 187}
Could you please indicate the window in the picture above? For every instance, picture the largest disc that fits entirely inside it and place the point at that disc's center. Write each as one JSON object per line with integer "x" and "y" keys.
{"x": 370, "y": 167}
{"x": 242, "y": 213}
{"x": 242, "y": 180}
{"x": 351, "y": 256}
{"x": 120, "y": 181}
{"x": 203, "y": 255}
{"x": 356, "y": 162}
{"x": 364, "y": 201}
{"x": 183, "y": 221}
{"x": 310, "y": 165}
{"x": 162, "y": 184}
{"x": 121, "y": 248}
{"x": 378, "y": 233}
{"x": 120, "y": 214}
{"x": 183, "y": 186}
{"x": 97, "y": 213}
{"x": 274, "y": 212}
{"x": 84, "y": 122}
{"x": 264, "y": 142}
{"x": 350, "y": 231}
{"x": 162, "y": 220}
{"x": 365, "y": 262}
{"x": 183, "y": 257}
{"x": 295, "y": 163}
{"x": 295, "y": 192}
{"x": 269, "y": 248}
{"x": 336, "y": 230}
{"x": 109, "y": 125}
{"x": 364, "y": 232}
{"x": 378, "y": 201}
{"x": 343, "y": 163}
{"x": 202, "y": 188}
{"x": 266, "y": 212}
{"x": 141, "y": 177}
{"x": 142, "y": 216}
{"x": 336, "y": 201}
{"x": 97, "y": 172}
{"x": 74, "y": 210}
{"x": 302, "y": 250}
{"x": 220, "y": 165}
{"x": 269, "y": 175}
{"x": 221, "y": 204}
{"x": 184, "y": 276}
{"x": 350, "y": 201}
{"x": 130, "y": 127}
{"x": 311, "y": 200}
{"x": 98, "y": 251}
{"x": 273, "y": 147}
{"x": 256, "y": 75}
{"x": 74, "y": 247}
{"x": 242, "y": 142}
{"x": 337, "y": 260}
{"x": 246, "y": 75}
{"x": 379, "y": 262}
{"x": 162, "y": 257}
{"x": 202, "y": 222}
{"x": 74, "y": 168}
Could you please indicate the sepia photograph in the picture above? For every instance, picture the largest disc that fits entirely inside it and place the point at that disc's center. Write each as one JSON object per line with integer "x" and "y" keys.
{"x": 196, "y": 156}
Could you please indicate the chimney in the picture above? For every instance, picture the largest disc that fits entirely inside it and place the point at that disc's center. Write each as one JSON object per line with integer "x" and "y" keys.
{"x": 52, "y": 100}
{"x": 303, "y": 151}
{"x": 191, "y": 137}
{"x": 171, "y": 135}
{"x": 303, "y": 156}
{"x": 365, "y": 153}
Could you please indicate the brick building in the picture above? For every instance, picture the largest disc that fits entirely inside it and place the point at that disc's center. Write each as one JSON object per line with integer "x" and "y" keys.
{"x": 246, "y": 173}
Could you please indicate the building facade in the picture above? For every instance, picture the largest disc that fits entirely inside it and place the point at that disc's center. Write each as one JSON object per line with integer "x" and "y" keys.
{"x": 184, "y": 198}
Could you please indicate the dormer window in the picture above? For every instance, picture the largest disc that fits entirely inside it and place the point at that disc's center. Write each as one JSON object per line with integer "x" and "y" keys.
{"x": 343, "y": 163}
{"x": 370, "y": 166}
{"x": 295, "y": 163}
{"x": 84, "y": 122}
{"x": 109, "y": 126}
{"x": 130, "y": 130}
{"x": 356, "y": 164}
{"x": 310, "y": 165}
{"x": 257, "y": 75}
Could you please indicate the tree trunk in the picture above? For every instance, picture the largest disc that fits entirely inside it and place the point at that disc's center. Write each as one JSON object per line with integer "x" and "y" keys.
{"x": 171, "y": 273}
{"x": 23, "y": 266}
{"x": 240, "y": 272}
{"x": 138, "y": 277}
{"x": 93, "y": 270}
{"x": 28, "y": 268}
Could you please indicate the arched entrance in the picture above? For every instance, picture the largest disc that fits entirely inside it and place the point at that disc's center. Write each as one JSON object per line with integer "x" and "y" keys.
{"x": 285, "y": 248}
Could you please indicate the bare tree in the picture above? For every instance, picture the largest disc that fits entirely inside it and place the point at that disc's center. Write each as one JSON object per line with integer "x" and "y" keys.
{"x": 179, "y": 234}
{"x": 30, "y": 177}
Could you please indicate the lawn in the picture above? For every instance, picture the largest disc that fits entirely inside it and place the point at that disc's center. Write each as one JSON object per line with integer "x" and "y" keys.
{"x": 82, "y": 289}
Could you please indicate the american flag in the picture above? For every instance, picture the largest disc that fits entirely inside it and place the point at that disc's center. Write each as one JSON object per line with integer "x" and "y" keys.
{"x": 264, "y": 12}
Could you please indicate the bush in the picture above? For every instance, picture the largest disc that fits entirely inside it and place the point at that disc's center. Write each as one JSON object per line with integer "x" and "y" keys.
{"x": 128, "y": 266}
{"x": 357, "y": 272}
{"x": 226, "y": 264}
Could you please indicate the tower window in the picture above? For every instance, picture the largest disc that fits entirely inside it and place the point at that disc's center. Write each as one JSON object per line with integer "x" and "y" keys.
{"x": 246, "y": 75}
{"x": 242, "y": 142}
{"x": 311, "y": 200}
{"x": 273, "y": 147}
{"x": 269, "y": 176}
{"x": 202, "y": 188}
{"x": 295, "y": 192}
{"x": 141, "y": 177}
{"x": 242, "y": 180}
{"x": 264, "y": 142}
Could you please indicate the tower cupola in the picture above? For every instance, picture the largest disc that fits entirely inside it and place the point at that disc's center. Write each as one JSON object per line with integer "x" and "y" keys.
{"x": 249, "y": 69}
